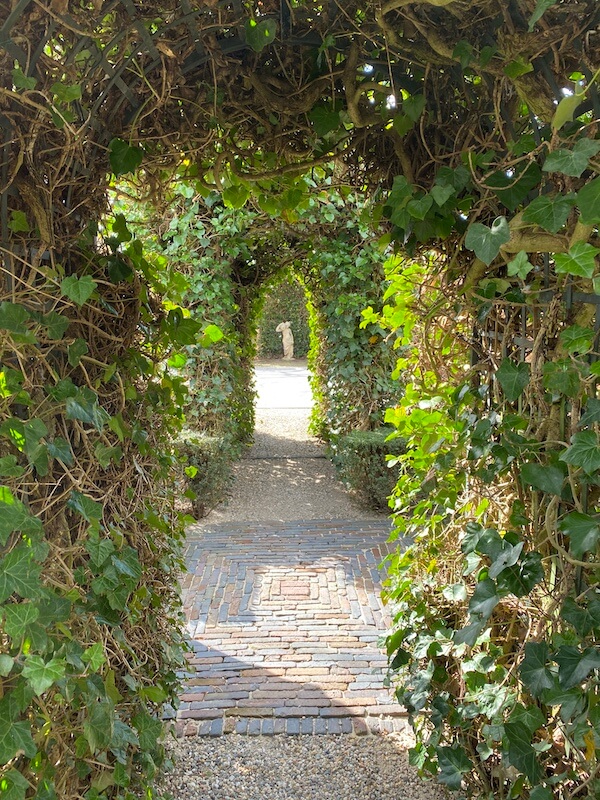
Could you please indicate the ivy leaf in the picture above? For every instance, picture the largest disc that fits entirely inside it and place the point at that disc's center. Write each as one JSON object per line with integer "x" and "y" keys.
{"x": 94, "y": 656}
{"x": 512, "y": 189}
{"x": 548, "y": 479}
{"x": 591, "y": 414}
{"x": 99, "y": 549}
{"x": 260, "y": 34}
{"x": 577, "y": 339}
{"x": 463, "y": 52}
{"x": 574, "y": 665}
{"x": 13, "y": 317}
{"x": 14, "y": 785}
{"x": 105, "y": 454}
{"x": 324, "y": 120}
{"x": 15, "y": 517}
{"x": 149, "y": 729}
{"x": 441, "y": 194}
{"x": 61, "y": 450}
{"x": 518, "y": 67}
{"x": 588, "y": 200}
{"x": 84, "y": 407}
{"x": 513, "y": 378}
{"x": 9, "y": 469}
{"x": 19, "y": 574}
{"x": 79, "y": 290}
{"x": 41, "y": 675}
{"x": 56, "y": 325}
{"x": 561, "y": 377}
{"x": 124, "y": 157}
{"x": 541, "y": 792}
{"x": 419, "y": 206}
{"x": 235, "y": 196}
{"x": 403, "y": 124}
{"x": 66, "y": 93}
{"x": 565, "y": 110}
{"x": 520, "y": 265}
{"x": 89, "y": 509}
{"x": 458, "y": 178}
{"x": 485, "y": 599}
{"x": 212, "y": 333}
{"x": 540, "y": 8}
{"x": 18, "y": 222}
{"x": 550, "y": 213}
{"x": 583, "y": 531}
{"x": 520, "y": 579}
{"x": 580, "y": 260}
{"x": 584, "y": 452}
{"x": 413, "y": 106}
{"x": 99, "y": 725}
{"x": 572, "y": 162}
{"x": 521, "y": 754}
{"x": 454, "y": 763}
{"x": 508, "y": 557}
{"x": 15, "y": 737}
{"x": 583, "y": 619}
{"x": 534, "y": 672}
{"x": 531, "y": 717}
{"x": 22, "y": 81}
{"x": 18, "y": 617}
{"x": 75, "y": 351}
{"x": 486, "y": 242}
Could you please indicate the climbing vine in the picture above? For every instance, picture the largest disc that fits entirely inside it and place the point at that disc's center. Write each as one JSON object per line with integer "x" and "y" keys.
{"x": 473, "y": 128}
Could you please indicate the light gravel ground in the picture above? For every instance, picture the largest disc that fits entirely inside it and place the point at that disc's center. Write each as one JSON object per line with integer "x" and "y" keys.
{"x": 295, "y": 768}
{"x": 285, "y": 477}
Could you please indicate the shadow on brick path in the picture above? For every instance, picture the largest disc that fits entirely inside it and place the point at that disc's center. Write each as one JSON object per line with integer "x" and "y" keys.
{"x": 284, "y": 621}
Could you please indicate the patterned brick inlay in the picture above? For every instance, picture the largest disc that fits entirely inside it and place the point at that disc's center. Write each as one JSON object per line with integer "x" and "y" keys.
{"x": 284, "y": 621}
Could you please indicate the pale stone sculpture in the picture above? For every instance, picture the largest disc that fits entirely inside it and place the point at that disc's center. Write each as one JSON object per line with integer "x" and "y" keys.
{"x": 284, "y": 328}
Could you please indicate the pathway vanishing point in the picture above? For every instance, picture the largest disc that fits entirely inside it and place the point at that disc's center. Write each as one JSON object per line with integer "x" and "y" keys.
{"x": 284, "y": 620}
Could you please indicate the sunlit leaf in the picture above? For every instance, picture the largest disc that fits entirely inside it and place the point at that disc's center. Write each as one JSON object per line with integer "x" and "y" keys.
{"x": 520, "y": 265}
{"x": 565, "y": 110}
{"x": 580, "y": 260}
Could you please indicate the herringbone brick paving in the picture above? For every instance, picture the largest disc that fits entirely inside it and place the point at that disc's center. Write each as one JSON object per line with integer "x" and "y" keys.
{"x": 284, "y": 621}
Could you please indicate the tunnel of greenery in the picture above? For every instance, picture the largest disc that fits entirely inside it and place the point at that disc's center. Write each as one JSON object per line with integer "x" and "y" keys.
{"x": 431, "y": 165}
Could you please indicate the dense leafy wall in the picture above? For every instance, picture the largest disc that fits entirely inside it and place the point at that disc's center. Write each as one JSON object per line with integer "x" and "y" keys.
{"x": 90, "y": 621}
{"x": 494, "y": 650}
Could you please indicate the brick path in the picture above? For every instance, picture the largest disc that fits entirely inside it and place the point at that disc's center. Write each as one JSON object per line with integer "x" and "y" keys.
{"x": 284, "y": 620}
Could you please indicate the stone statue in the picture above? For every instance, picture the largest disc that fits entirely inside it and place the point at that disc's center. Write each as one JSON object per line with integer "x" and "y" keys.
{"x": 287, "y": 337}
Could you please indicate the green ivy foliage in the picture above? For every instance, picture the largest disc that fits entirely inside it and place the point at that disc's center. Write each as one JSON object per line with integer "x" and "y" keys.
{"x": 89, "y": 614}
{"x": 496, "y": 604}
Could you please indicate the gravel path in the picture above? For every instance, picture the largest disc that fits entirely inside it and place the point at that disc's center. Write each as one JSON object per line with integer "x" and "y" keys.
{"x": 285, "y": 477}
{"x": 295, "y": 768}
